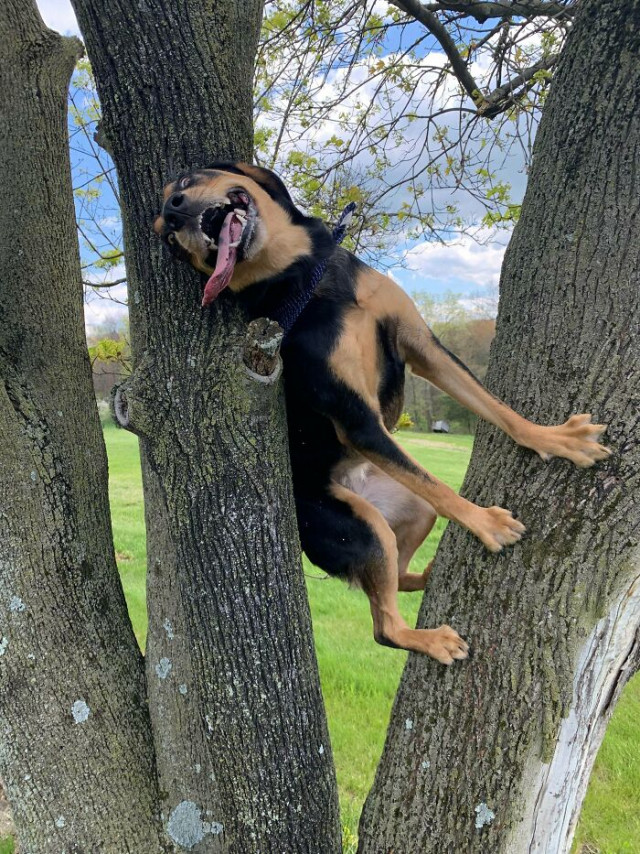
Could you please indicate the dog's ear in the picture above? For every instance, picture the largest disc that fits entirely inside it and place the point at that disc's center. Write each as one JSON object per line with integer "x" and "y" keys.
{"x": 267, "y": 179}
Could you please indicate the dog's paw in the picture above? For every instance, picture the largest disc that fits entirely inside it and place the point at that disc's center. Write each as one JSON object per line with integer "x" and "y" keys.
{"x": 576, "y": 440}
{"x": 443, "y": 644}
{"x": 496, "y": 527}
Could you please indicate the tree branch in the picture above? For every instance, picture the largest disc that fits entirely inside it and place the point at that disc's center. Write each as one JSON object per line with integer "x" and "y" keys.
{"x": 488, "y": 106}
{"x": 104, "y": 284}
{"x": 262, "y": 349}
{"x": 436, "y": 28}
{"x": 504, "y": 96}
{"x": 505, "y": 9}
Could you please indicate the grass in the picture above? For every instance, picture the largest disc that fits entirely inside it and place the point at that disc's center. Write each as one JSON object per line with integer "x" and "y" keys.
{"x": 359, "y": 678}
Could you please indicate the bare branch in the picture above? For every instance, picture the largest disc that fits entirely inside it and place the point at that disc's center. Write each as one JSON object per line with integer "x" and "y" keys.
{"x": 104, "y": 284}
{"x": 505, "y": 9}
{"x": 504, "y": 96}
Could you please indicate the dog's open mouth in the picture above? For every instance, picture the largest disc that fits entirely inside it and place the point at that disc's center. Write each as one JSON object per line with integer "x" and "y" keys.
{"x": 227, "y": 228}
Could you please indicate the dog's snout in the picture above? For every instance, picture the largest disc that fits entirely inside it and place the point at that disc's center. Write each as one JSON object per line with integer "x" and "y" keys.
{"x": 176, "y": 211}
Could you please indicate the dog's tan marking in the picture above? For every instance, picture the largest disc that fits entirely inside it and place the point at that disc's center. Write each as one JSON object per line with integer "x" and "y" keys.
{"x": 284, "y": 244}
{"x": 380, "y": 583}
{"x": 355, "y": 357}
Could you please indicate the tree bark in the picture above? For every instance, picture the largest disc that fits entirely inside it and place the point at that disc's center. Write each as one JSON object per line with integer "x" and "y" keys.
{"x": 76, "y": 752}
{"x": 494, "y": 755}
{"x": 241, "y": 738}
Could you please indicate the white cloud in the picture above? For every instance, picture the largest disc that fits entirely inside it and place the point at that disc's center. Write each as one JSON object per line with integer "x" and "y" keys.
{"x": 104, "y": 314}
{"x": 462, "y": 262}
{"x": 58, "y": 15}
{"x": 106, "y": 308}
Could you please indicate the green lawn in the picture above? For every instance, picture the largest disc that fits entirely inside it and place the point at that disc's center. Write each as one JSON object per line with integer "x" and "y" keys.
{"x": 359, "y": 678}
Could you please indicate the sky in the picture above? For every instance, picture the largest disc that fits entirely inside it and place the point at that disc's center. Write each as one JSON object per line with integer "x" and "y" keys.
{"x": 464, "y": 265}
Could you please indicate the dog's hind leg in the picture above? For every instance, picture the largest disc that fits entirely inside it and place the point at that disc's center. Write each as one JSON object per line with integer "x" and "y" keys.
{"x": 361, "y": 429}
{"x": 410, "y": 518}
{"x": 377, "y": 573}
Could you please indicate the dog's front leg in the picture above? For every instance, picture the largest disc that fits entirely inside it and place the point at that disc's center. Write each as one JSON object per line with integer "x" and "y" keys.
{"x": 576, "y": 440}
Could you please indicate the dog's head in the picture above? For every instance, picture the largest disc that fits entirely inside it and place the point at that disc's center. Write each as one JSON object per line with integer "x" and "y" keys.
{"x": 233, "y": 221}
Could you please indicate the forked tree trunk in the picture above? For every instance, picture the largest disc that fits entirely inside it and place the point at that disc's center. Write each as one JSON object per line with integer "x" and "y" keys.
{"x": 241, "y": 738}
{"x": 494, "y": 755}
{"x": 76, "y": 752}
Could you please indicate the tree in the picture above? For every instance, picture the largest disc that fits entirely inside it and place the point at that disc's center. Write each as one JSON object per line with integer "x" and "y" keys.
{"x": 241, "y": 739}
{"x": 495, "y": 755}
{"x": 72, "y": 675}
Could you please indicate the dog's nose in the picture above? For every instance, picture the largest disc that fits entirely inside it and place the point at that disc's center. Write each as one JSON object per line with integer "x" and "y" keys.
{"x": 175, "y": 213}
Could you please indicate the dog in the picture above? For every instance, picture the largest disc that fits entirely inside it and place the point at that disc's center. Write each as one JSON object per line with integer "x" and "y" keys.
{"x": 363, "y": 504}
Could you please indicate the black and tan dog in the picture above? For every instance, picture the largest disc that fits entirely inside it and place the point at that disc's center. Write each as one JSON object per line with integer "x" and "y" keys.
{"x": 363, "y": 504}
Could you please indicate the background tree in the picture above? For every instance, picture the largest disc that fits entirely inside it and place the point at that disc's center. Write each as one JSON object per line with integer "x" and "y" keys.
{"x": 411, "y": 111}
{"x": 495, "y": 755}
{"x": 466, "y": 327}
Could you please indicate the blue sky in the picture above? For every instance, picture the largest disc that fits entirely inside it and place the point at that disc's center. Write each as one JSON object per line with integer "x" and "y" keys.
{"x": 464, "y": 265}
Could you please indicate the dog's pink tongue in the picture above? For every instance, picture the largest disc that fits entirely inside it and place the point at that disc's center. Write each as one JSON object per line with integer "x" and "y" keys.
{"x": 230, "y": 232}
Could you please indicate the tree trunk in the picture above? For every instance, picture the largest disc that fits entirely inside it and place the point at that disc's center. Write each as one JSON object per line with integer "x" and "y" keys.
{"x": 494, "y": 755}
{"x": 238, "y": 718}
{"x": 76, "y": 752}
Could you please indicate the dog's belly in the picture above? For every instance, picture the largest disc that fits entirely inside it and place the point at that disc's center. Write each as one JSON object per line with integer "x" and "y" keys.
{"x": 392, "y": 499}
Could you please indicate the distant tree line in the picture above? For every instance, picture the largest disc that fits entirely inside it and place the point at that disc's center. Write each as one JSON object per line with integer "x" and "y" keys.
{"x": 466, "y": 328}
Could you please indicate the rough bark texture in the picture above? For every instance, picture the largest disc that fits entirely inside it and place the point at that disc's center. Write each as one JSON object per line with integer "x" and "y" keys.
{"x": 76, "y": 752}
{"x": 243, "y": 751}
{"x": 493, "y": 755}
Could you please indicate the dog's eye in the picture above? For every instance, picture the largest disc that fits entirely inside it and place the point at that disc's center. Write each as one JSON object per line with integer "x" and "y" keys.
{"x": 184, "y": 183}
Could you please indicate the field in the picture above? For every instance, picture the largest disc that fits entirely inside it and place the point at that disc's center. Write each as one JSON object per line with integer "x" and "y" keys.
{"x": 359, "y": 678}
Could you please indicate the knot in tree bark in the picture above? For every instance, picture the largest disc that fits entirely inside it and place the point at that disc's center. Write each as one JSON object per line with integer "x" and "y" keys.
{"x": 261, "y": 353}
